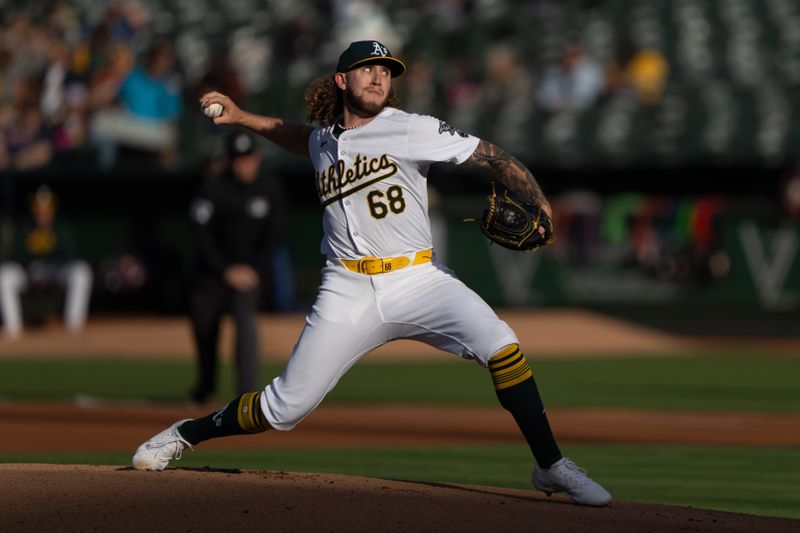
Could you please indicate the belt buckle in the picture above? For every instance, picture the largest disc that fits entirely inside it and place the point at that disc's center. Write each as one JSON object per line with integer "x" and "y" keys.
{"x": 364, "y": 264}
{"x": 375, "y": 265}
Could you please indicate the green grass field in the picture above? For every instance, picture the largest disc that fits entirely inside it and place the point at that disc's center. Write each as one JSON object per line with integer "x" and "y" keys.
{"x": 751, "y": 480}
{"x": 706, "y": 382}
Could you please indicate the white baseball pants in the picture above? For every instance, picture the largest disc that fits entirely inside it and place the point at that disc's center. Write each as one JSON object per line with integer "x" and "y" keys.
{"x": 355, "y": 313}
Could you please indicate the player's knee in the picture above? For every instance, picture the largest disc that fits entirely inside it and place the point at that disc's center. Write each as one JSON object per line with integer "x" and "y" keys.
{"x": 494, "y": 341}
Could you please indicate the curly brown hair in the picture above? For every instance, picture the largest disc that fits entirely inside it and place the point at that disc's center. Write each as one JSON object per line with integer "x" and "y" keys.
{"x": 324, "y": 101}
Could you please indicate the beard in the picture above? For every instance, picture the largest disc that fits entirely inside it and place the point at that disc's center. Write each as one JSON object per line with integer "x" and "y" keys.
{"x": 362, "y": 107}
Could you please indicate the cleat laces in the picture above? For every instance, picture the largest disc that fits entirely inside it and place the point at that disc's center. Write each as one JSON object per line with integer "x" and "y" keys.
{"x": 575, "y": 472}
{"x": 173, "y": 448}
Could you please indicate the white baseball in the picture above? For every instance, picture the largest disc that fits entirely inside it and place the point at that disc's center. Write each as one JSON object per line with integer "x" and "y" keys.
{"x": 213, "y": 110}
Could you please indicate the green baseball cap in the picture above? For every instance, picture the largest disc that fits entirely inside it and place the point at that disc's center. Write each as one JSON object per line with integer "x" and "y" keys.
{"x": 362, "y": 52}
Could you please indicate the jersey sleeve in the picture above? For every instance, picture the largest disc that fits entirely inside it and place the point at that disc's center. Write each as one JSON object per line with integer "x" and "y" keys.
{"x": 431, "y": 140}
{"x": 315, "y": 138}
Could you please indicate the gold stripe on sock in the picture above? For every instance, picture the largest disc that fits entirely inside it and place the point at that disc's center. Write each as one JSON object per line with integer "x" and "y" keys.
{"x": 261, "y": 420}
{"x": 502, "y": 365}
{"x": 509, "y": 367}
{"x": 249, "y": 414}
{"x": 503, "y": 355}
{"x": 513, "y": 378}
{"x": 258, "y": 415}
{"x": 527, "y": 374}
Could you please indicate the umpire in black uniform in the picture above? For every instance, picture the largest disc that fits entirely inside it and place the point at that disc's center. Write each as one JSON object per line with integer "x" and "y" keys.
{"x": 236, "y": 220}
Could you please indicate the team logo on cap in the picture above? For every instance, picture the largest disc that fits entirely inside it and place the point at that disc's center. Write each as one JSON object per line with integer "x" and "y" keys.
{"x": 378, "y": 50}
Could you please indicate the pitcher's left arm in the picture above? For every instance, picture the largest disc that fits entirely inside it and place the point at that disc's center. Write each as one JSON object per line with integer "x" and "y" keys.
{"x": 510, "y": 172}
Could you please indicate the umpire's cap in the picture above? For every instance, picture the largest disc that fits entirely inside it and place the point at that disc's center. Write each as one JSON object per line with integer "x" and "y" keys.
{"x": 363, "y": 52}
{"x": 240, "y": 143}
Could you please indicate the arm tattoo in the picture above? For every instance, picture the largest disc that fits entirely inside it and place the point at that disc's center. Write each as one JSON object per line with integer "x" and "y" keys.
{"x": 508, "y": 171}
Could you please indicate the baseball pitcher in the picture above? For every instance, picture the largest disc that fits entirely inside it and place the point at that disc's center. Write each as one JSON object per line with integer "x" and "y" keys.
{"x": 381, "y": 280}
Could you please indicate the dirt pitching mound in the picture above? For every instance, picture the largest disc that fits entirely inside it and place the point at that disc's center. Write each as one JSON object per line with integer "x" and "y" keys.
{"x": 108, "y": 498}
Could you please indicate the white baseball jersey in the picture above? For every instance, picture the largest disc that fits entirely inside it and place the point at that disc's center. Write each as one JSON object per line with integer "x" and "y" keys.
{"x": 372, "y": 182}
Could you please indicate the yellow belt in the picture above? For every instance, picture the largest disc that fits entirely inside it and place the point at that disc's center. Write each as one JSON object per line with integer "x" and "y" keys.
{"x": 379, "y": 265}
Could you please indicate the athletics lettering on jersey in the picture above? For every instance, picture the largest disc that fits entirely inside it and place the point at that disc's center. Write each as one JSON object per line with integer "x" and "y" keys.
{"x": 332, "y": 183}
{"x": 398, "y": 148}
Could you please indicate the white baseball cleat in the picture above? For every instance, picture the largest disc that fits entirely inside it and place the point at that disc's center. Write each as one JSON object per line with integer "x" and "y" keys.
{"x": 566, "y": 476}
{"x": 156, "y": 453}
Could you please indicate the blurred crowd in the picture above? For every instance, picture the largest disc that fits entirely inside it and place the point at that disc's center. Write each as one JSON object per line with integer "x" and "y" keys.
{"x": 547, "y": 78}
{"x": 65, "y": 77}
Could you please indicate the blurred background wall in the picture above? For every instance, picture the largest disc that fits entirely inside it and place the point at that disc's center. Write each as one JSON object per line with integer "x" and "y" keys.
{"x": 665, "y": 132}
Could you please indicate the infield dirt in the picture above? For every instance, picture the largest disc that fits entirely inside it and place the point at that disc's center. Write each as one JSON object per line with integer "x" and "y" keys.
{"x": 107, "y": 498}
{"x": 116, "y": 498}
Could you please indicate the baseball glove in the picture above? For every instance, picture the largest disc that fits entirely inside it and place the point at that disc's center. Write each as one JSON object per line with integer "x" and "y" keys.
{"x": 516, "y": 225}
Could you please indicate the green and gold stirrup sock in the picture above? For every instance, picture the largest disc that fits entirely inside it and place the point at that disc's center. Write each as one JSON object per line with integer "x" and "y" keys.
{"x": 516, "y": 389}
{"x": 243, "y": 415}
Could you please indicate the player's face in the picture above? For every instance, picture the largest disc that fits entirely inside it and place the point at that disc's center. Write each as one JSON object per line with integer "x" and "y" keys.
{"x": 367, "y": 89}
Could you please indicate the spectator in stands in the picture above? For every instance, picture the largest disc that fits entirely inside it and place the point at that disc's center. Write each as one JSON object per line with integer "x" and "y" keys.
{"x": 419, "y": 90}
{"x": 221, "y": 76}
{"x": 64, "y": 101}
{"x": 25, "y": 142}
{"x": 354, "y": 20}
{"x": 151, "y": 106}
{"x": 461, "y": 91}
{"x": 642, "y": 72}
{"x": 508, "y": 84}
{"x": 55, "y": 74}
{"x": 105, "y": 83}
{"x": 647, "y": 73}
{"x": 573, "y": 84}
{"x": 505, "y": 96}
{"x": 43, "y": 259}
